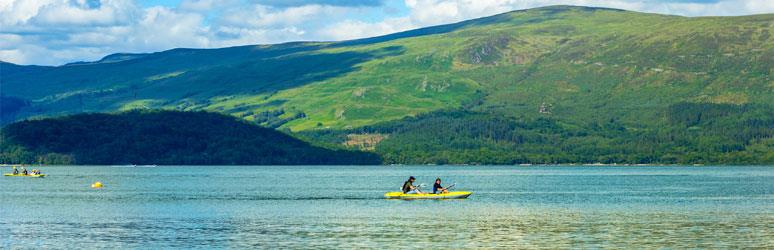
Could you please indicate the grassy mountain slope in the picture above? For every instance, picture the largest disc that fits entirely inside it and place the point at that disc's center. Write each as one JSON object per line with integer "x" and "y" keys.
{"x": 160, "y": 137}
{"x": 587, "y": 67}
{"x": 575, "y": 59}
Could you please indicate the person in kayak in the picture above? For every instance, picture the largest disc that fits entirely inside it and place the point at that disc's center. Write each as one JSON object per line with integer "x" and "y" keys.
{"x": 437, "y": 187}
{"x": 409, "y": 188}
{"x": 24, "y": 171}
{"x": 15, "y": 170}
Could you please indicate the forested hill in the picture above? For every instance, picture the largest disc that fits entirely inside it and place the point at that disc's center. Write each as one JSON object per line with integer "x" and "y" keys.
{"x": 690, "y": 134}
{"x": 544, "y": 85}
{"x": 161, "y": 137}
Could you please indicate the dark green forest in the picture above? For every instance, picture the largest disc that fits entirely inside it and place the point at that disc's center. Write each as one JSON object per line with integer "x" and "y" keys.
{"x": 161, "y": 137}
{"x": 689, "y": 133}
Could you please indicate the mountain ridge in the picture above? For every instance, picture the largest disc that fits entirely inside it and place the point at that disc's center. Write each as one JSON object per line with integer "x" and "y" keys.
{"x": 579, "y": 68}
{"x": 399, "y": 34}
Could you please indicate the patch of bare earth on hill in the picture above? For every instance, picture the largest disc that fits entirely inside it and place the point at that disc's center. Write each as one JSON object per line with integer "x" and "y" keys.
{"x": 364, "y": 141}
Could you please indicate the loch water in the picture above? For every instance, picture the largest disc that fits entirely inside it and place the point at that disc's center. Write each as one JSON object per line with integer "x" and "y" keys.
{"x": 343, "y": 207}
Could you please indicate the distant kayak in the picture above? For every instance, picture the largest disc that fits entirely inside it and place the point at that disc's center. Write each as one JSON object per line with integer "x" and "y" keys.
{"x": 449, "y": 195}
{"x": 29, "y": 175}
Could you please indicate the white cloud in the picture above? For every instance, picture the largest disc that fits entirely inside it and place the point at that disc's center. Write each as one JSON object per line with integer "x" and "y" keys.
{"x": 54, "y": 32}
{"x": 65, "y": 13}
{"x": 9, "y": 41}
{"x": 199, "y": 5}
{"x": 12, "y": 55}
{"x": 352, "y": 29}
{"x": 162, "y": 28}
{"x": 19, "y": 12}
{"x": 60, "y": 31}
{"x": 721, "y": 8}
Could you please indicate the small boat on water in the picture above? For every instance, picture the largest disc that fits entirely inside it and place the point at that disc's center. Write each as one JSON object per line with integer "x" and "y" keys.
{"x": 26, "y": 175}
{"x": 449, "y": 195}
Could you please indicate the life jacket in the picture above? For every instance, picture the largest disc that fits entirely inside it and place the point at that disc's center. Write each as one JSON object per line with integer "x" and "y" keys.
{"x": 406, "y": 187}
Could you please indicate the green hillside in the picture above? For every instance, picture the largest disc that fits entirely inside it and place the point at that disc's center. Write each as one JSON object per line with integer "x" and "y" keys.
{"x": 161, "y": 137}
{"x": 587, "y": 71}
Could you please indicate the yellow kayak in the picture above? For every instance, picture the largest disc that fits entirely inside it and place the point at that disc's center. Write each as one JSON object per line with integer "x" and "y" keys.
{"x": 449, "y": 195}
{"x": 29, "y": 175}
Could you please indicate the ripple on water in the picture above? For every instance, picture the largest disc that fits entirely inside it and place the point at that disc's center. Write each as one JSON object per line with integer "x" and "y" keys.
{"x": 305, "y": 207}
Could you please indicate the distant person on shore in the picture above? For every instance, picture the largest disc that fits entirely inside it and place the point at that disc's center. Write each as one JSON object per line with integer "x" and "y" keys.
{"x": 409, "y": 188}
{"x": 437, "y": 187}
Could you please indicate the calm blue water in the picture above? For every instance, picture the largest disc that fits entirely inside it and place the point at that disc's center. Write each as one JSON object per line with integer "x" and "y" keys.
{"x": 342, "y": 207}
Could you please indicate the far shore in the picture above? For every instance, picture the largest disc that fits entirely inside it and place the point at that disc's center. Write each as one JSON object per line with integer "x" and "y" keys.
{"x": 414, "y": 165}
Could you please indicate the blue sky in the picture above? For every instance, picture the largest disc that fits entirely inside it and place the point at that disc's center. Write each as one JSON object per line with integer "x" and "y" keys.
{"x": 54, "y": 32}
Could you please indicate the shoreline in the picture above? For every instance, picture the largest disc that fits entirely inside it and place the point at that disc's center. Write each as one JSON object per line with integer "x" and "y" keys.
{"x": 411, "y": 165}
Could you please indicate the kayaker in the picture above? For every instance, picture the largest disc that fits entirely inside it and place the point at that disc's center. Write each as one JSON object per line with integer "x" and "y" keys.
{"x": 15, "y": 171}
{"x": 24, "y": 171}
{"x": 409, "y": 188}
{"x": 437, "y": 186}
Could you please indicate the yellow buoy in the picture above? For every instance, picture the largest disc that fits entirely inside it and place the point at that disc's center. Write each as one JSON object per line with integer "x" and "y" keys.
{"x": 96, "y": 185}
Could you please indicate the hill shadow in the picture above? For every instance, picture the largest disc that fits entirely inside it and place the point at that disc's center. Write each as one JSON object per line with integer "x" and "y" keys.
{"x": 264, "y": 75}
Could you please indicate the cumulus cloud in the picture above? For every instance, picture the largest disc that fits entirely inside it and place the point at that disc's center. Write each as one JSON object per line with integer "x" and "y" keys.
{"x": 201, "y": 5}
{"x": 53, "y": 32}
{"x": 720, "y": 8}
{"x": 352, "y": 29}
{"x": 286, "y": 3}
{"x": 62, "y": 14}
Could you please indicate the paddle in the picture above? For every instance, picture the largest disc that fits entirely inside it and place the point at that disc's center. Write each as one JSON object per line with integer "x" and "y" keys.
{"x": 419, "y": 186}
{"x": 449, "y": 187}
